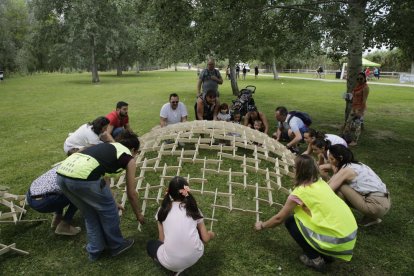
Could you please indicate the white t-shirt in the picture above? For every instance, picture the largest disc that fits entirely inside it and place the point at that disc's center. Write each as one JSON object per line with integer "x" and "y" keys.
{"x": 336, "y": 140}
{"x": 366, "y": 180}
{"x": 82, "y": 137}
{"x": 182, "y": 244}
{"x": 173, "y": 116}
{"x": 223, "y": 117}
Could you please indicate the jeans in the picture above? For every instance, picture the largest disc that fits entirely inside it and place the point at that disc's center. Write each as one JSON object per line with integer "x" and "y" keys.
{"x": 152, "y": 248}
{"x": 300, "y": 240}
{"x": 53, "y": 203}
{"x": 94, "y": 199}
{"x": 117, "y": 131}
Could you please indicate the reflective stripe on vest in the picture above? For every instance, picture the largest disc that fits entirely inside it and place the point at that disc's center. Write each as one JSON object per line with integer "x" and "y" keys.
{"x": 311, "y": 236}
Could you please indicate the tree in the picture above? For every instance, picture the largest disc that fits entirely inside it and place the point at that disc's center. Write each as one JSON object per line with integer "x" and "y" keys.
{"x": 14, "y": 26}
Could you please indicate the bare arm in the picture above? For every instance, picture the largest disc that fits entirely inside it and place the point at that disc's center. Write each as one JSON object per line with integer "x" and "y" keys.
{"x": 365, "y": 93}
{"x": 199, "y": 87}
{"x": 160, "y": 231}
{"x": 219, "y": 80}
{"x": 109, "y": 130}
{"x": 265, "y": 122}
{"x": 163, "y": 122}
{"x": 130, "y": 189}
{"x": 296, "y": 140}
{"x": 279, "y": 217}
{"x": 200, "y": 109}
{"x": 308, "y": 149}
{"x": 246, "y": 119}
{"x": 205, "y": 235}
{"x": 216, "y": 109}
{"x": 183, "y": 119}
{"x": 342, "y": 176}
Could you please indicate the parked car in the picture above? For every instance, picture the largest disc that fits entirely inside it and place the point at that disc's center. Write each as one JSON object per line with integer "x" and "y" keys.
{"x": 241, "y": 65}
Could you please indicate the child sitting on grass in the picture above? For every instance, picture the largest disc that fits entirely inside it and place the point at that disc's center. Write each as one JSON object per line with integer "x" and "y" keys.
{"x": 181, "y": 229}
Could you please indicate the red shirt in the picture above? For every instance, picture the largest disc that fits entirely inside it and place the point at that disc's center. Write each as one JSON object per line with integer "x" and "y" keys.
{"x": 116, "y": 121}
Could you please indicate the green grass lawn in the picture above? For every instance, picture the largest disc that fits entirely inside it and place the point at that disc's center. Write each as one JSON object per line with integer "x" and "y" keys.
{"x": 39, "y": 111}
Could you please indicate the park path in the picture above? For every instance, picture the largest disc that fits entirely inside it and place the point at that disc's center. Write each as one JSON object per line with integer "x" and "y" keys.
{"x": 342, "y": 81}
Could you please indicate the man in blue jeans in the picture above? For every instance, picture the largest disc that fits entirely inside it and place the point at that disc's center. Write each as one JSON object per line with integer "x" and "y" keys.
{"x": 81, "y": 178}
{"x": 45, "y": 196}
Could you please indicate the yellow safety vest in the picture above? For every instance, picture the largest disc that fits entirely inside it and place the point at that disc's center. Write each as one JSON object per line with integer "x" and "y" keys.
{"x": 79, "y": 165}
{"x": 331, "y": 228}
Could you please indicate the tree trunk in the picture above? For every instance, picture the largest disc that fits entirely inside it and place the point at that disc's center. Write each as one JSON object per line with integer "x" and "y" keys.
{"x": 138, "y": 67}
{"x": 94, "y": 66}
{"x": 233, "y": 81}
{"x": 119, "y": 70}
{"x": 412, "y": 67}
{"x": 175, "y": 67}
{"x": 355, "y": 42}
{"x": 274, "y": 70}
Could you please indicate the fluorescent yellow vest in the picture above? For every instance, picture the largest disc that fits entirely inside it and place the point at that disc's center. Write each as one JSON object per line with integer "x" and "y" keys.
{"x": 331, "y": 229}
{"x": 79, "y": 165}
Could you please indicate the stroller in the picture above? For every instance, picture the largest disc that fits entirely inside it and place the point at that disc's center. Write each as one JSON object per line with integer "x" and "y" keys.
{"x": 244, "y": 101}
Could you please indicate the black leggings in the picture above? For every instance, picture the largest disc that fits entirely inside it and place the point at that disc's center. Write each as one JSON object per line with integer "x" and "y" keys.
{"x": 152, "y": 248}
{"x": 300, "y": 240}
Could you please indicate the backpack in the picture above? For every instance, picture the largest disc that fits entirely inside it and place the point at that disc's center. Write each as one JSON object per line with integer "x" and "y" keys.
{"x": 306, "y": 119}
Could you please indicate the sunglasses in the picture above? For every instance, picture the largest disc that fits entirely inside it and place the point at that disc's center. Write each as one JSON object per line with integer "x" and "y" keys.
{"x": 359, "y": 79}
{"x": 174, "y": 102}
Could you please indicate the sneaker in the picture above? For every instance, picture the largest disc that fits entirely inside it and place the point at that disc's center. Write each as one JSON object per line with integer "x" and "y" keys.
{"x": 318, "y": 263}
{"x": 56, "y": 220}
{"x": 366, "y": 221}
{"x": 64, "y": 228}
{"x": 127, "y": 244}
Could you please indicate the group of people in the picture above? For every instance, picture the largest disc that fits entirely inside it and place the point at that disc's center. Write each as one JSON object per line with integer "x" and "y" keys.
{"x": 325, "y": 186}
{"x": 103, "y": 148}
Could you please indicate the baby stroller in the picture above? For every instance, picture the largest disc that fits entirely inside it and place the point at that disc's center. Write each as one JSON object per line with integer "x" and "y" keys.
{"x": 244, "y": 101}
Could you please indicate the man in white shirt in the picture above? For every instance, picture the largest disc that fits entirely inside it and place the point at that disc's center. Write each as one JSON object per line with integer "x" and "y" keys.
{"x": 294, "y": 128}
{"x": 173, "y": 112}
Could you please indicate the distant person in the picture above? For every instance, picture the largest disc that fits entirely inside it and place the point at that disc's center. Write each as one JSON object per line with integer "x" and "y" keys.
{"x": 173, "y": 112}
{"x": 322, "y": 224}
{"x": 45, "y": 196}
{"x": 224, "y": 113}
{"x": 290, "y": 127}
{"x": 319, "y": 71}
{"x": 207, "y": 106}
{"x": 181, "y": 229}
{"x": 237, "y": 71}
{"x": 367, "y": 73}
{"x": 252, "y": 115}
{"x": 209, "y": 79}
{"x": 80, "y": 177}
{"x": 244, "y": 72}
{"x": 118, "y": 121}
{"x": 377, "y": 73}
{"x": 359, "y": 186}
{"x": 359, "y": 105}
{"x": 228, "y": 72}
{"x": 256, "y": 71}
{"x": 87, "y": 135}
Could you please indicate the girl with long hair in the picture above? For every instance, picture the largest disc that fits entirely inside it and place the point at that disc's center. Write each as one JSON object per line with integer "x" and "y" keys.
{"x": 181, "y": 229}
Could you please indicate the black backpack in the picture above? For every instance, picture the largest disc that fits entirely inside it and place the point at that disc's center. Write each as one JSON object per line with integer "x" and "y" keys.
{"x": 306, "y": 119}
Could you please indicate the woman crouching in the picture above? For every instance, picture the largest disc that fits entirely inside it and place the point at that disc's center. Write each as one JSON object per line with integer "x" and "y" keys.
{"x": 321, "y": 224}
{"x": 181, "y": 229}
